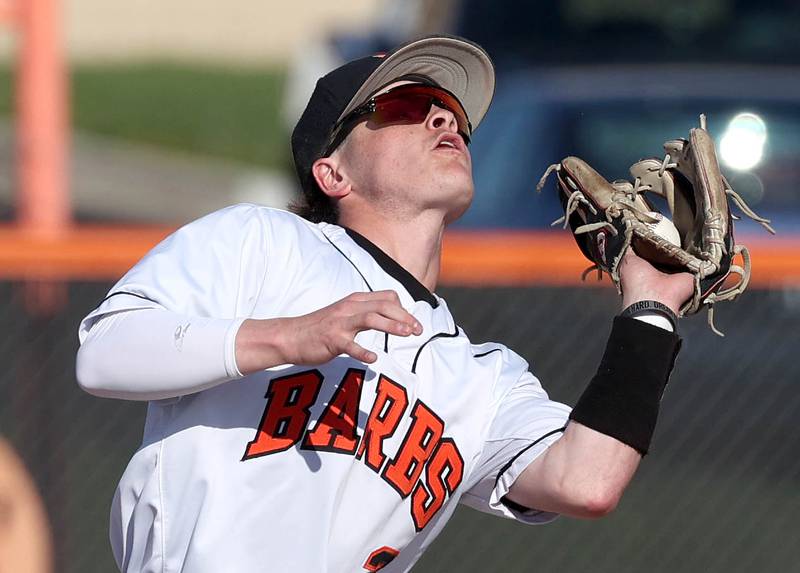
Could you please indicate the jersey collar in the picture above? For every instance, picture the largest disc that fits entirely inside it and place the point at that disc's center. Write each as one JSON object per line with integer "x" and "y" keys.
{"x": 415, "y": 288}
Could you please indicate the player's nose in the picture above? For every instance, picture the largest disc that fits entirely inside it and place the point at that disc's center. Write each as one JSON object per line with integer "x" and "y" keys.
{"x": 439, "y": 118}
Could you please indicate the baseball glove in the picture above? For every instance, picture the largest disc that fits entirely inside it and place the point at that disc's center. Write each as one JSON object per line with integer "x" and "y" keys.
{"x": 608, "y": 218}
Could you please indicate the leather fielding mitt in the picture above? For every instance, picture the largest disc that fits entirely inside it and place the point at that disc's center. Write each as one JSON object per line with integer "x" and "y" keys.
{"x": 607, "y": 218}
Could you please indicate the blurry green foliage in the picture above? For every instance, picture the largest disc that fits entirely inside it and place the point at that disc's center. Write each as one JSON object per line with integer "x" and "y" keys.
{"x": 5, "y": 91}
{"x": 216, "y": 111}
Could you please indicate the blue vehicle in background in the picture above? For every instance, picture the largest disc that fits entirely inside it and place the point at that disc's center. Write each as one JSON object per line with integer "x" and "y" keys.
{"x": 615, "y": 116}
{"x": 610, "y": 82}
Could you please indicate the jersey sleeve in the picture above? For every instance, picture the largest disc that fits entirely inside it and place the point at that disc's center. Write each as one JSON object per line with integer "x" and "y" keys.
{"x": 525, "y": 423}
{"x": 212, "y": 267}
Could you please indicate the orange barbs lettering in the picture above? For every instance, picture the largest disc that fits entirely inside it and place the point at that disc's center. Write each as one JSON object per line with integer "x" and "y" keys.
{"x": 422, "y": 438}
{"x": 444, "y": 473}
{"x": 380, "y": 558}
{"x": 336, "y": 429}
{"x": 289, "y": 400}
{"x": 387, "y": 410}
{"x": 423, "y": 449}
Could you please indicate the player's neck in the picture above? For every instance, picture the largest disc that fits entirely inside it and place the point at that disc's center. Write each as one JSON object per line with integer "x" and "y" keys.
{"x": 415, "y": 245}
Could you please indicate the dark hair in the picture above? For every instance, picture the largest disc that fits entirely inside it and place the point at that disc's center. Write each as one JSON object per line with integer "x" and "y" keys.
{"x": 310, "y": 137}
{"x": 316, "y": 207}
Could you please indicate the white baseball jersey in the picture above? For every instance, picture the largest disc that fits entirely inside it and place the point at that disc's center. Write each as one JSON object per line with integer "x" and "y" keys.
{"x": 336, "y": 468}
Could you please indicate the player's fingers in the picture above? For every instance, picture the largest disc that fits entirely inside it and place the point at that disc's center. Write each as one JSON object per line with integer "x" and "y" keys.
{"x": 355, "y": 303}
{"x": 388, "y": 295}
{"x": 358, "y": 352}
{"x": 375, "y": 321}
{"x": 389, "y": 309}
{"x": 385, "y": 303}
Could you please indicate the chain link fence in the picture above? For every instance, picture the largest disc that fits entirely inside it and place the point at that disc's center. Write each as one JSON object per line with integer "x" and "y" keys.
{"x": 720, "y": 491}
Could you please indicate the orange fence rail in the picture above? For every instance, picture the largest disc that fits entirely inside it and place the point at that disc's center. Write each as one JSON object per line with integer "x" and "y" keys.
{"x": 553, "y": 258}
{"x": 103, "y": 252}
{"x": 79, "y": 253}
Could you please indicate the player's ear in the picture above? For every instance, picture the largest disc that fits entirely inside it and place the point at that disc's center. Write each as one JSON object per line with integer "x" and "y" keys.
{"x": 331, "y": 177}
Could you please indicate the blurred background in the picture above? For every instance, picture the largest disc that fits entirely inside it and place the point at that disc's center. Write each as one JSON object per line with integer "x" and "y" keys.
{"x": 121, "y": 121}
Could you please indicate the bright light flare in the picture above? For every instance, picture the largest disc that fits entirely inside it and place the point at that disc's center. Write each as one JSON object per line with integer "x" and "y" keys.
{"x": 742, "y": 144}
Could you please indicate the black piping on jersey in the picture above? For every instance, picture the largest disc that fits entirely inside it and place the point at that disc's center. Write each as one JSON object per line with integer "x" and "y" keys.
{"x": 504, "y": 469}
{"x": 415, "y": 288}
{"x": 366, "y": 282}
{"x": 431, "y": 339}
{"x": 392, "y": 268}
{"x": 482, "y": 354}
{"x": 124, "y": 292}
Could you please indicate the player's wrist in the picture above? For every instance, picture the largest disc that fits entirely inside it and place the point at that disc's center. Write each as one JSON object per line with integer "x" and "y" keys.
{"x": 624, "y": 397}
{"x": 652, "y": 312}
{"x": 260, "y": 344}
{"x": 639, "y": 297}
{"x": 641, "y": 281}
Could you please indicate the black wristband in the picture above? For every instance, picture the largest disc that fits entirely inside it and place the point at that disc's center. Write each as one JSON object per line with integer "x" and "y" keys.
{"x": 652, "y": 306}
{"x": 623, "y": 398}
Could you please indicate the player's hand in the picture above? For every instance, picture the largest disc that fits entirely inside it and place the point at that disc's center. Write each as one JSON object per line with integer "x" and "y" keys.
{"x": 642, "y": 281}
{"x": 322, "y": 335}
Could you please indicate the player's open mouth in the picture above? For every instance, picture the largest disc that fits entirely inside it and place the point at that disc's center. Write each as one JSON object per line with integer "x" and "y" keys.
{"x": 450, "y": 142}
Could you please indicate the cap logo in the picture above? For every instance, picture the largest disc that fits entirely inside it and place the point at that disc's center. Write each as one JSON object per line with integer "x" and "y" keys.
{"x": 379, "y": 55}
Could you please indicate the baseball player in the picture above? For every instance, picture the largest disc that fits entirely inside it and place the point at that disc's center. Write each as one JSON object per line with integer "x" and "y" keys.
{"x": 313, "y": 405}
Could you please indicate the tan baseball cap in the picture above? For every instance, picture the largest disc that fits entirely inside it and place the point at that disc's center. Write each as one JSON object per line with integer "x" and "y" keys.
{"x": 455, "y": 64}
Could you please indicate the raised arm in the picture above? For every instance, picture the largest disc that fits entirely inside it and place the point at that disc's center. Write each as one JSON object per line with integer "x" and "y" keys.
{"x": 585, "y": 472}
{"x": 152, "y": 354}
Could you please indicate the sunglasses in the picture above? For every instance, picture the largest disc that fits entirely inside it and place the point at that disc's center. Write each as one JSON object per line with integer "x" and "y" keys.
{"x": 406, "y": 104}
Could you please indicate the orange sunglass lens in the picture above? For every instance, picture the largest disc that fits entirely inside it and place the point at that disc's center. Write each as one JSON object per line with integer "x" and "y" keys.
{"x": 408, "y": 108}
{"x": 412, "y": 105}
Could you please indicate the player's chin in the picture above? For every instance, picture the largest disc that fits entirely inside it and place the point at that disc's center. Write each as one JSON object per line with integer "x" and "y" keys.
{"x": 453, "y": 164}
{"x": 459, "y": 204}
